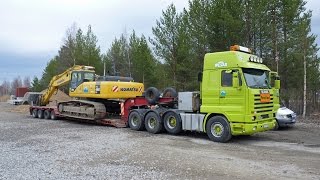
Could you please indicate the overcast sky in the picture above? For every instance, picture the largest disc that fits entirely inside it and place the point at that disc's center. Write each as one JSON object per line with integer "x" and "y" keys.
{"x": 32, "y": 31}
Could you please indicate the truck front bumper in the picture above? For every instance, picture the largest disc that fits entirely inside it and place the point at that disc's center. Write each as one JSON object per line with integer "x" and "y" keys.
{"x": 251, "y": 128}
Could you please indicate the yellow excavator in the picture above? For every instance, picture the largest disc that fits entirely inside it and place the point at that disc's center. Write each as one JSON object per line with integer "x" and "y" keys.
{"x": 95, "y": 97}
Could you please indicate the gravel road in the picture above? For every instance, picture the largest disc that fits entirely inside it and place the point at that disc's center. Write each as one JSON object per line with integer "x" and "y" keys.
{"x": 47, "y": 149}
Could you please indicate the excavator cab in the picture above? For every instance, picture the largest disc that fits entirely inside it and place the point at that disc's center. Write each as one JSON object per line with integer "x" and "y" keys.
{"x": 78, "y": 77}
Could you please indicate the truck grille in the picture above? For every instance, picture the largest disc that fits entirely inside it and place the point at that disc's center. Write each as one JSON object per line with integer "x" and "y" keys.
{"x": 260, "y": 107}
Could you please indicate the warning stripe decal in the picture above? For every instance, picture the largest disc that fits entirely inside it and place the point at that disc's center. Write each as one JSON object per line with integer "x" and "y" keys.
{"x": 122, "y": 108}
{"x": 115, "y": 88}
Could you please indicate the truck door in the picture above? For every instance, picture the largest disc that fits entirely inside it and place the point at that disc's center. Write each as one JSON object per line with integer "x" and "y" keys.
{"x": 232, "y": 100}
{"x": 210, "y": 91}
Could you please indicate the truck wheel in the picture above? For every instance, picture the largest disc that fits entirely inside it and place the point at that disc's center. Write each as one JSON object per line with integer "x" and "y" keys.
{"x": 153, "y": 123}
{"x": 170, "y": 92}
{"x": 218, "y": 129}
{"x": 152, "y": 95}
{"x": 172, "y": 123}
{"x": 136, "y": 121}
{"x": 35, "y": 113}
{"x": 53, "y": 115}
{"x": 47, "y": 114}
{"x": 40, "y": 114}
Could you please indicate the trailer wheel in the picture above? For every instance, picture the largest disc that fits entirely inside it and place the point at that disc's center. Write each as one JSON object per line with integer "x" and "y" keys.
{"x": 153, "y": 123}
{"x": 218, "y": 129}
{"x": 172, "y": 123}
{"x": 152, "y": 95}
{"x": 53, "y": 115}
{"x": 35, "y": 113}
{"x": 136, "y": 121}
{"x": 170, "y": 92}
{"x": 47, "y": 114}
{"x": 40, "y": 114}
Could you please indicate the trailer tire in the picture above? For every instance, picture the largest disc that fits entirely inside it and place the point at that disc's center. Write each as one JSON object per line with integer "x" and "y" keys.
{"x": 136, "y": 121}
{"x": 218, "y": 129}
{"x": 152, "y": 95}
{"x": 53, "y": 115}
{"x": 172, "y": 122}
{"x": 35, "y": 113}
{"x": 153, "y": 123}
{"x": 170, "y": 92}
{"x": 47, "y": 114}
{"x": 40, "y": 114}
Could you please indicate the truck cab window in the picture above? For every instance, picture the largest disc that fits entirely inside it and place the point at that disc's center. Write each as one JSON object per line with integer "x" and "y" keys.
{"x": 226, "y": 79}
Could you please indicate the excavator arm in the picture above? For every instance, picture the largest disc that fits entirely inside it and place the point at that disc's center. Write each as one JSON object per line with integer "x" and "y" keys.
{"x": 60, "y": 80}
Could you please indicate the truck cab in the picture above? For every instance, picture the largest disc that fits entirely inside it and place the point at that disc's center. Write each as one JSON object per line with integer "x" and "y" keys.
{"x": 236, "y": 86}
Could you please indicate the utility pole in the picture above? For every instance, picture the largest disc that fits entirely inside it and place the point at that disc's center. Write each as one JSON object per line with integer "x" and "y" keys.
{"x": 104, "y": 68}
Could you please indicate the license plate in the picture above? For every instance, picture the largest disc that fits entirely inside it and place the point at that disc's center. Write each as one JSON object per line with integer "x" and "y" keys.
{"x": 266, "y": 125}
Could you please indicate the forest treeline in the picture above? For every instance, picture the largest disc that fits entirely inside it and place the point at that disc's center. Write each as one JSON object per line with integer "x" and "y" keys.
{"x": 279, "y": 31}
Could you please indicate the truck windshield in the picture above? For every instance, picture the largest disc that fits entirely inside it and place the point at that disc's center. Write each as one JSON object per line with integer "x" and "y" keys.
{"x": 256, "y": 78}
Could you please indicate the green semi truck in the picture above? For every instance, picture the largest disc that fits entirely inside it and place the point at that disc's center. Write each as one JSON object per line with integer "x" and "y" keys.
{"x": 238, "y": 96}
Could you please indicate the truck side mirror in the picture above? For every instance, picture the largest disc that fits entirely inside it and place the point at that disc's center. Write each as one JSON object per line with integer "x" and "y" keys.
{"x": 235, "y": 80}
{"x": 277, "y": 84}
{"x": 200, "y": 76}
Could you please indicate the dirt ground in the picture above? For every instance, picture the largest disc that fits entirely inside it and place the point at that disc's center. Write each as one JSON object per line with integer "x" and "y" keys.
{"x": 62, "y": 149}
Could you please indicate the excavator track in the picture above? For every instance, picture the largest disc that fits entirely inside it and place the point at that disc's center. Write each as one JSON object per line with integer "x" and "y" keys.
{"x": 82, "y": 109}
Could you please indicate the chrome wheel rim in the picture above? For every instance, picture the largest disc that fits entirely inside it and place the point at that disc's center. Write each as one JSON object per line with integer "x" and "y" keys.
{"x": 152, "y": 123}
{"x": 171, "y": 122}
{"x": 135, "y": 121}
{"x": 217, "y": 129}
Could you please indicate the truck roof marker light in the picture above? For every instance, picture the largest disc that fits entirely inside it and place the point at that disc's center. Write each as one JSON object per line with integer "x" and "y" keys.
{"x": 255, "y": 59}
{"x": 240, "y": 48}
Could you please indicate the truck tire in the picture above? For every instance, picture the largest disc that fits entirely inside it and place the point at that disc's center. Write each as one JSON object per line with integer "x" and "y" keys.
{"x": 170, "y": 92}
{"x": 218, "y": 129}
{"x": 35, "y": 113}
{"x": 47, "y": 114}
{"x": 40, "y": 114}
{"x": 136, "y": 121}
{"x": 152, "y": 95}
{"x": 153, "y": 123}
{"x": 172, "y": 123}
{"x": 53, "y": 115}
